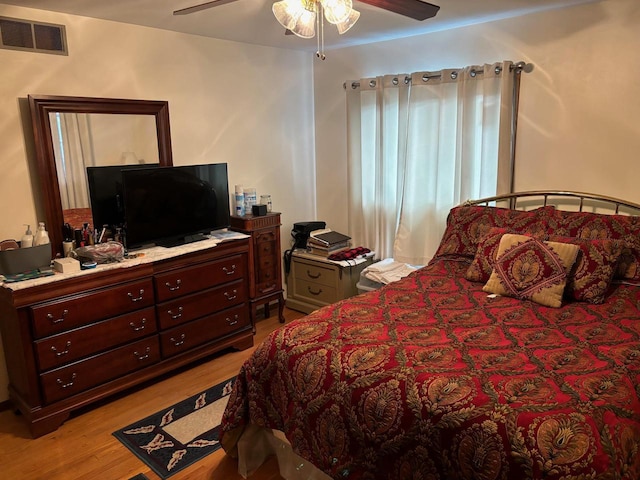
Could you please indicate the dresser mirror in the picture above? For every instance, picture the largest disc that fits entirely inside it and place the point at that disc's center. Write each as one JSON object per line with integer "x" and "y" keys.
{"x": 72, "y": 133}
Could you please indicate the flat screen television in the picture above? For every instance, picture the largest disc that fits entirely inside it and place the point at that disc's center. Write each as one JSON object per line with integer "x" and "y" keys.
{"x": 171, "y": 206}
{"x": 106, "y": 195}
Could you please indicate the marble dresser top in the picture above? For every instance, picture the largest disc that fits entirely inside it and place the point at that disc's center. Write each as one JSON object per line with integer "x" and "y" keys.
{"x": 149, "y": 255}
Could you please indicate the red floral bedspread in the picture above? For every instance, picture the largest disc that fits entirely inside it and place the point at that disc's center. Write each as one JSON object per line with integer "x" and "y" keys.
{"x": 430, "y": 378}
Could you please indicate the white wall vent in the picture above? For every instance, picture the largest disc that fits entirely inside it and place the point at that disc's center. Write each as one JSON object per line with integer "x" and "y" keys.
{"x": 17, "y": 34}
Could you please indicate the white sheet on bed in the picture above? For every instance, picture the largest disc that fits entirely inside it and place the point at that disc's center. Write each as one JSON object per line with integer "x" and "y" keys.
{"x": 257, "y": 444}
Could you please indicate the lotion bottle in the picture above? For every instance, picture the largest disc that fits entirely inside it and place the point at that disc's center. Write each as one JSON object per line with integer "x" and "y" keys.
{"x": 42, "y": 236}
{"x": 27, "y": 238}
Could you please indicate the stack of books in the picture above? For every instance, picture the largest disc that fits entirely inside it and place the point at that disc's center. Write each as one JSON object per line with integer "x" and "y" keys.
{"x": 326, "y": 242}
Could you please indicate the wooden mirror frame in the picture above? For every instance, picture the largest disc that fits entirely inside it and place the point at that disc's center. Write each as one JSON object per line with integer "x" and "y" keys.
{"x": 42, "y": 105}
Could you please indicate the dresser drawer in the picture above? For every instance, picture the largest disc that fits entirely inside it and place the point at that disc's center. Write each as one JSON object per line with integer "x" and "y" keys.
{"x": 85, "y": 308}
{"x": 68, "y": 346}
{"x": 265, "y": 243}
{"x": 77, "y": 377}
{"x": 188, "y": 280}
{"x": 315, "y": 293}
{"x": 190, "y": 307}
{"x": 315, "y": 273}
{"x": 203, "y": 330}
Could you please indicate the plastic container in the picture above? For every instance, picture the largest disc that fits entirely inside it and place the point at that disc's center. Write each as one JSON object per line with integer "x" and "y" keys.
{"x": 22, "y": 260}
{"x": 27, "y": 238}
{"x": 366, "y": 285}
{"x": 240, "y": 210}
{"x": 250, "y": 199}
{"x": 363, "y": 288}
{"x": 42, "y": 236}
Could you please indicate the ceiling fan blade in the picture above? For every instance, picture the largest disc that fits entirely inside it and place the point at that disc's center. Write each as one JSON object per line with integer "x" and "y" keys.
{"x": 415, "y": 9}
{"x": 202, "y": 6}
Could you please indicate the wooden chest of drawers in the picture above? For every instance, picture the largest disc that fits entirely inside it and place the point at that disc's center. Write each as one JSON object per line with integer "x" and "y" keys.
{"x": 314, "y": 282}
{"x": 72, "y": 342}
{"x": 265, "y": 262}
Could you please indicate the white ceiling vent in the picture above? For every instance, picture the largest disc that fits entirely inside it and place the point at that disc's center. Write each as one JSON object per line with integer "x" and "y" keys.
{"x": 17, "y": 34}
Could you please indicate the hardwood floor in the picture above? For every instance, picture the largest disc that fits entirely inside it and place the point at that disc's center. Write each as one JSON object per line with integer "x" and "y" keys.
{"x": 84, "y": 447}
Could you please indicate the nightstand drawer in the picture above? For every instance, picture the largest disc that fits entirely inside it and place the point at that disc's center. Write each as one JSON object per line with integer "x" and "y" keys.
{"x": 315, "y": 273}
{"x": 315, "y": 293}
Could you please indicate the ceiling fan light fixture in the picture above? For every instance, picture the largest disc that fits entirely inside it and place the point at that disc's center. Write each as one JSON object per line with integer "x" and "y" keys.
{"x": 304, "y": 17}
{"x": 305, "y": 27}
{"x": 287, "y": 12}
{"x": 336, "y": 11}
{"x": 349, "y": 22}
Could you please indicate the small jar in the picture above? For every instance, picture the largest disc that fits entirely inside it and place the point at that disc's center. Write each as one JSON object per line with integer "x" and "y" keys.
{"x": 266, "y": 200}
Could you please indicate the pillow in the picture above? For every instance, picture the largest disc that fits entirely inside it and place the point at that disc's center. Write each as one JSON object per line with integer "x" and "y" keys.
{"x": 467, "y": 224}
{"x": 601, "y": 226}
{"x": 482, "y": 264}
{"x": 531, "y": 269}
{"x": 594, "y": 269}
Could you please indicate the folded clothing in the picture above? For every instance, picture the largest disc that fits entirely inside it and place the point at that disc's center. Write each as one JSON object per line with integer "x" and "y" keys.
{"x": 349, "y": 254}
{"x": 387, "y": 271}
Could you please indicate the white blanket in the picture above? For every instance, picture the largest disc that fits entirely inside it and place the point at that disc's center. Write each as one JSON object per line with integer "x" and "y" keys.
{"x": 387, "y": 271}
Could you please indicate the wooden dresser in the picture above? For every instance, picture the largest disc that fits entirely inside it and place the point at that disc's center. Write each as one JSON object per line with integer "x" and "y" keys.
{"x": 71, "y": 342}
{"x": 265, "y": 271}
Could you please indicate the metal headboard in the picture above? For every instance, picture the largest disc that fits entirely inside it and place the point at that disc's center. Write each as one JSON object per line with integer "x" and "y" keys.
{"x": 549, "y": 197}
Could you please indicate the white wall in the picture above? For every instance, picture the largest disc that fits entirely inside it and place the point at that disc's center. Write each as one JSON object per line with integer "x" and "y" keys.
{"x": 245, "y": 105}
{"x": 249, "y": 106}
{"x": 579, "y": 122}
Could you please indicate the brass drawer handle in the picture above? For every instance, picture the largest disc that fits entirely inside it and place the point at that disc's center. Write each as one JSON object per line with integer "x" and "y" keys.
{"x": 144, "y": 356}
{"x": 175, "y": 316}
{"x": 313, "y": 276}
{"x": 314, "y": 293}
{"x": 63, "y": 352}
{"x": 232, "y": 296}
{"x": 177, "y": 343}
{"x": 232, "y": 322}
{"x": 68, "y": 384}
{"x": 141, "y": 327}
{"x": 230, "y": 272}
{"x": 173, "y": 288}
{"x": 58, "y": 320}
{"x": 138, "y": 298}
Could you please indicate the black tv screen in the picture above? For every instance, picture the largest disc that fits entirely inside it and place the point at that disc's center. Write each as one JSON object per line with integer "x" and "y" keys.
{"x": 106, "y": 194}
{"x": 174, "y": 205}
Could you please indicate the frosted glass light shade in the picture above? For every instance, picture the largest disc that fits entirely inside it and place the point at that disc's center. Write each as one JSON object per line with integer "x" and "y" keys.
{"x": 349, "y": 22}
{"x": 305, "y": 27}
{"x": 287, "y": 12}
{"x": 336, "y": 11}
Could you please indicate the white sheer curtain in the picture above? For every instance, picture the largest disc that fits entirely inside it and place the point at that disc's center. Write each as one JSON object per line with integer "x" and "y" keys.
{"x": 73, "y": 148}
{"x": 421, "y": 144}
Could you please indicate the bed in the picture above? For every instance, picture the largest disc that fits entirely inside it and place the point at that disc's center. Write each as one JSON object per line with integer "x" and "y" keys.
{"x": 514, "y": 354}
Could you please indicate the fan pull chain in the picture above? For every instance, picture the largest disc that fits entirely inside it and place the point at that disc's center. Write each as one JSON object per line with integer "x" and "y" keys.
{"x": 320, "y": 29}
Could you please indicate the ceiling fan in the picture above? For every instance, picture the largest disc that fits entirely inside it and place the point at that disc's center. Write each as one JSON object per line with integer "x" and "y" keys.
{"x": 416, "y": 9}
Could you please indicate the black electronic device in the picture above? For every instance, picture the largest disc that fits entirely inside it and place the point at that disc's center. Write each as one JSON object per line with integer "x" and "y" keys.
{"x": 175, "y": 205}
{"x": 302, "y": 230}
{"x": 106, "y": 195}
{"x": 300, "y": 234}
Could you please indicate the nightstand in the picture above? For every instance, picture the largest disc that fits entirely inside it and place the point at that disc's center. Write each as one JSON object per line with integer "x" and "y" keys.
{"x": 314, "y": 281}
{"x": 265, "y": 263}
